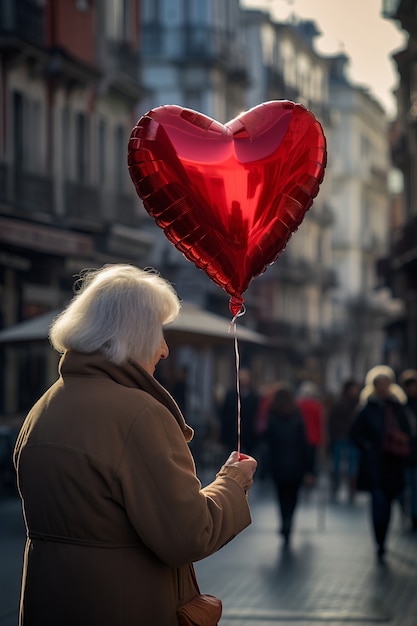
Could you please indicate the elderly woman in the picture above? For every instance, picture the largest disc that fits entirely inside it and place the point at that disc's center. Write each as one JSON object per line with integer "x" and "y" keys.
{"x": 115, "y": 514}
{"x": 381, "y": 471}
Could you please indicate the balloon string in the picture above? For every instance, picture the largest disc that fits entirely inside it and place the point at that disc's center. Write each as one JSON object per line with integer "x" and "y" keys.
{"x": 237, "y": 360}
{"x": 239, "y": 419}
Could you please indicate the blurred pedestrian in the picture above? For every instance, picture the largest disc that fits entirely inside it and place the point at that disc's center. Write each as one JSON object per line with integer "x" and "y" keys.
{"x": 408, "y": 380}
{"x": 289, "y": 455}
{"x": 261, "y": 424}
{"x": 114, "y": 512}
{"x": 249, "y": 400}
{"x": 312, "y": 410}
{"x": 381, "y": 470}
{"x": 343, "y": 452}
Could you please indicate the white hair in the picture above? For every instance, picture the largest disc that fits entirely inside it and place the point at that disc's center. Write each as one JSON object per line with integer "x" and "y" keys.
{"x": 372, "y": 377}
{"x": 379, "y": 371}
{"x": 118, "y": 310}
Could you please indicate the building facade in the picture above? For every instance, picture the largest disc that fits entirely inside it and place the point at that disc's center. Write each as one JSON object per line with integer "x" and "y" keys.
{"x": 360, "y": 234}
{"x": 70, "y": 78}
{"x": 75, "y": 77}
{"x": 400, "y": 267}
{"x": 294, "y": 294}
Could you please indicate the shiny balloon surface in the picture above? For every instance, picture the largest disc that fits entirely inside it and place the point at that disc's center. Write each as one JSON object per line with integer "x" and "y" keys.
{"x": 228, "y": 196}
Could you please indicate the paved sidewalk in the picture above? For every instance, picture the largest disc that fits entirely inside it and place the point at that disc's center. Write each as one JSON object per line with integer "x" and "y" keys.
{"x": 329, "y": 576}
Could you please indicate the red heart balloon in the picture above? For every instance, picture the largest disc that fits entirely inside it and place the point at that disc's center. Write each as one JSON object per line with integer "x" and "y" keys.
{"x": 228, "y": 196}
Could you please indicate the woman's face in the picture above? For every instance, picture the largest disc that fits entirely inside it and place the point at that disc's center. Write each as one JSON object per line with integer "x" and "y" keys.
{"x": 161, "y": 353}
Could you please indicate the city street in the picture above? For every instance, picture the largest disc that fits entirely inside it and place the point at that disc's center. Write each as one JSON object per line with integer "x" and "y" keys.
{"x": 328, "y": 576}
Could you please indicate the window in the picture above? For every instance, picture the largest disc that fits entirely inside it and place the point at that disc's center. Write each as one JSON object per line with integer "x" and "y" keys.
{"x": 119, "y": 20}
{"x": 81, "y": 148}
{"x": 150, "y": 11}
{"x": 34, "y": 148}
{"x": 120, "y": 158}
{"x": 19, "y": 133}
{"x": 193, "y": 99}
{"x": 27, "y": 133}
{"x": 366, "y": 146}
{"x": 66, "y": 146}
{"x": 102, "y": 161}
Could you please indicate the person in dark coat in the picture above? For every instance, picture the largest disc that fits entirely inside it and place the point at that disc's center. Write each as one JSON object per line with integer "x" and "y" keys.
{"x": 408, "y": 380}
{"x": 342, "y": 449}
{"x": 288, "y": 453}
{"x": 381, "y": 473}
{"x": 249, "y": 401}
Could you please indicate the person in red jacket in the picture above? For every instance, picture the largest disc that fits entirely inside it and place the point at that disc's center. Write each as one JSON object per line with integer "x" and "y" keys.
{"x": 312, "y": 410}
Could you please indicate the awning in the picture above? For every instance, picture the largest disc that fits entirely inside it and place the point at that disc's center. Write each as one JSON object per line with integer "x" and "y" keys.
{"x": 194, "y": 324}
{"x": 191, "y": 326}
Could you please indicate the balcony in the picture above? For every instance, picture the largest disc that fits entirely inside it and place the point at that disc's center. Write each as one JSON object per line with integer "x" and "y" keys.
{"x": 121, "y": 208}
{"x": 33, "y": 193}
{"x": 22, "y": 20}
{"x": 292, "y": 270}
{"x": 26, "y": 194}
{"x": 126, "y": 60}
{"x": 328, "y": 278}
{"x": 187, "y": 44}
{"x": 405, "y": 249}
{"x": 296, "y": 339}
{"x": 82, "y": 207}
{"x": 322, "y": 213}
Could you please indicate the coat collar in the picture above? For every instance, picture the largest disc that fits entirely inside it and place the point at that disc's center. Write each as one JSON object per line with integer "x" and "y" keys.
{"x": 130, "y": 374}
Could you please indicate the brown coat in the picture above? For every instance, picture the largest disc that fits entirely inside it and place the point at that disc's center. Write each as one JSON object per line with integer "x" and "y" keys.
{"x": 114, "y": 511}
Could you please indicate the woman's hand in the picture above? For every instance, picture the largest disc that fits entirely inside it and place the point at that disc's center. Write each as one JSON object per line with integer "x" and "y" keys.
{"x": 245, "y": 463}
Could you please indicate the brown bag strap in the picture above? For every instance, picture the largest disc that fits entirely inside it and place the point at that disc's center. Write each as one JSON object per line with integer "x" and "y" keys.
{"x": 194, "y": 577}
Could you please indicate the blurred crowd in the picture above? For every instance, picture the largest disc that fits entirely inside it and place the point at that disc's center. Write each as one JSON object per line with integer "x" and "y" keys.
{"x": 363, "y": 439}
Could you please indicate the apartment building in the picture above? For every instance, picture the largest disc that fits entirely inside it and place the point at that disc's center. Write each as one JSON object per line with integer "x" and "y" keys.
{"x": 399, "y": 268}
{"x": 76, "y": 75}
{"x": 360, "y": 234}
{"x": 294, "y": 295}
{"x": 70, "y": 85}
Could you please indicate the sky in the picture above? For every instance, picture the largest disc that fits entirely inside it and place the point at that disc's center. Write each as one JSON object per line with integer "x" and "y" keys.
{"x": 356, "y": 28}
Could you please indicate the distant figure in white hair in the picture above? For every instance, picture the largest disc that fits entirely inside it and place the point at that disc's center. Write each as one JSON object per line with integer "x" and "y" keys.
{"x": 381, "y": 471}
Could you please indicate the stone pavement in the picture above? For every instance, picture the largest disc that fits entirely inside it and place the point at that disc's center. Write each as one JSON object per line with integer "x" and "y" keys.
{"x": 328, "y": 577}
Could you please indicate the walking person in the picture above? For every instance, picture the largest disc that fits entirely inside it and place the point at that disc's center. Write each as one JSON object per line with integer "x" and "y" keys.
{"x": 408, "y": 381}
{"x": 312, "y": 410}
{"x": 289, "y": 455}
{"x": 343, "y": 451}
{"x": 114, "y": 512}
{"x": 381, "y": 468}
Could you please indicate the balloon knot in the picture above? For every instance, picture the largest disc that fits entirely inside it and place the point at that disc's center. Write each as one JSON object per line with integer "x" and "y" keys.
{"x": 237, "y": 308}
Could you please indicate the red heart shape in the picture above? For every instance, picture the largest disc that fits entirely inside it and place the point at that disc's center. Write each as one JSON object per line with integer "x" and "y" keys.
{"x": 228, "y": 196}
